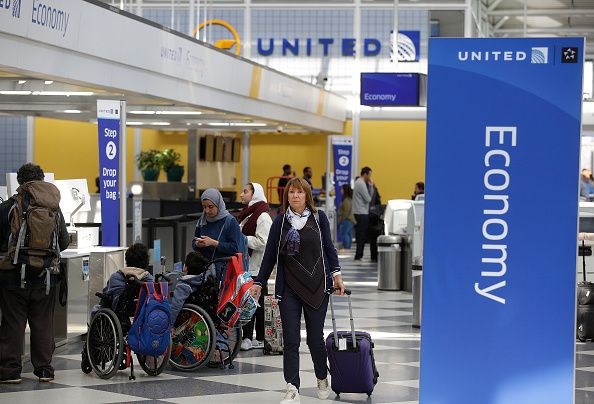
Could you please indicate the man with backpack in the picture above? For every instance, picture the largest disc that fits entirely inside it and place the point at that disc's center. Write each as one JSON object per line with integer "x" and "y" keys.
{"x": 32, "y": 234}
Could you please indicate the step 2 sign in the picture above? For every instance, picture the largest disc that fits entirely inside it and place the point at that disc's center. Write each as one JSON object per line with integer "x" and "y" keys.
{"x": 503, "y": 147}
{"x": 108, "y": 121}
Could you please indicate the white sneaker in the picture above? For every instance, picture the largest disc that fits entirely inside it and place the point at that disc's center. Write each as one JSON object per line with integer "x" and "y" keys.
{"x": 291, "y": 396}
{"x": 257, "y": 344}
{"x": 323, "y": 389}
{"x": 246, "y": 344}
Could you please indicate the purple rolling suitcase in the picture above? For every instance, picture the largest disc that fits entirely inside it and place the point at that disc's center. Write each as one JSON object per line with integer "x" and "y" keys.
{"x": 350, "y": 353}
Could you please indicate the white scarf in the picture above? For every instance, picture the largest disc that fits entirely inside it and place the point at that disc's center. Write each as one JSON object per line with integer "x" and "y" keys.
{"x": 297, "y": 220}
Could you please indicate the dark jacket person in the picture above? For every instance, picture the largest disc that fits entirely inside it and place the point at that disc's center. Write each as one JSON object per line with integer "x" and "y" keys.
{"x": 300, "y": 245}
{"x": 30, "y": 300}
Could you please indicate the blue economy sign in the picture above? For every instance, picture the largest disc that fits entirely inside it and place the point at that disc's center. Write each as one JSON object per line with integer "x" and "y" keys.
{"x": 385, "y": 89}
{"x": 503, "y": 142}
{"x": 108, "y": 122}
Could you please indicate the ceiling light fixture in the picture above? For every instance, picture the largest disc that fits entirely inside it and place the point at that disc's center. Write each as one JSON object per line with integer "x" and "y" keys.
{"x": 72, "y": 111}
{"x": 48, "y": 82}
{"x": 142, "y": 112}
{"x": 248, "y": 124}
{"x": 15, "y": 92}
{"x": 179, "y": 113}
{"x": 64, "y": 93}
{"x": 219, "y": 123}
{"x": 148, "y": 123}
{"x": 22, "y": 81}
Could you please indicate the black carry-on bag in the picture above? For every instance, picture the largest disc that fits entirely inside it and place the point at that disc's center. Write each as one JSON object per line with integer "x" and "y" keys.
{"x": 585, "y": 301}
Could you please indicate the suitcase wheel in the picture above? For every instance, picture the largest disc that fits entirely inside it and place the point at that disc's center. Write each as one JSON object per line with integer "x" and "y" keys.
{"x": 369, "y": 394}
{"x": 336, "y": 392}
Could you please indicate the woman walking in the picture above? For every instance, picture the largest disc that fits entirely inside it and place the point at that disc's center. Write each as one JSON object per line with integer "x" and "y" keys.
{"x": 255, "y": 223}
{"x": 300, "y": 245}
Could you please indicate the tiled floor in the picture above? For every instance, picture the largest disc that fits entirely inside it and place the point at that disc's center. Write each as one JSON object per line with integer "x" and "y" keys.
{"x": 259, "y": 379}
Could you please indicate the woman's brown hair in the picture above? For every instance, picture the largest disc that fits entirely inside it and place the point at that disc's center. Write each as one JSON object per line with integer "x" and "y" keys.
{"x": 302, "y": 185}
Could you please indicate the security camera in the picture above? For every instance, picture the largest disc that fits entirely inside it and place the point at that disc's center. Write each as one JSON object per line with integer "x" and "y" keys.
{"x": 279, "y": 129}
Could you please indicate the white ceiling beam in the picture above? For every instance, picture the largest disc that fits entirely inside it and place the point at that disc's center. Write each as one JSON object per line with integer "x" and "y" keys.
{"x": 500, "y": 23}
{"x": 426, "y": 5}
{"x": 573, "y": 30}
{"x": 493, "y": 5}
{"x": 543, "y": 12}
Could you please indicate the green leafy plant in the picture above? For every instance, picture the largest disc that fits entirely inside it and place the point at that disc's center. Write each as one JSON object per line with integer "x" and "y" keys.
{"x": 169, "y": 158}
{"x": 150, "y": 159}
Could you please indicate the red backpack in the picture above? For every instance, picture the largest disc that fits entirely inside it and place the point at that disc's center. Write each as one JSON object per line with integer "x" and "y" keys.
{"x": 235, "y": 301}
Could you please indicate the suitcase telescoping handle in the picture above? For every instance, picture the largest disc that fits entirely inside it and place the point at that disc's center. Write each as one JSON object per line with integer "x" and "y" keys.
{"x": 584, "y": 258}
{"x": 348, "y": 293}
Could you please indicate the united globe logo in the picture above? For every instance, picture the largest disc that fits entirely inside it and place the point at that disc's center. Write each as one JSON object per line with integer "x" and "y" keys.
{"x": 407, "y": 52}
{"x": 539, "y": 55}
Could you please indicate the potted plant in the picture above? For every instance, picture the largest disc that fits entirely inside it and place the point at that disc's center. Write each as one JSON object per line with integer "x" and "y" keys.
{"x": 169, "y": 162}
{"x": 149, "y": 164}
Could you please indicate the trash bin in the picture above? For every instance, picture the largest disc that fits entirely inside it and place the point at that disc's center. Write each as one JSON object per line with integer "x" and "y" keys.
{"x": 389, "y": 263}
{"x": 406, "y": 248}
{"x": 417, "y": 291}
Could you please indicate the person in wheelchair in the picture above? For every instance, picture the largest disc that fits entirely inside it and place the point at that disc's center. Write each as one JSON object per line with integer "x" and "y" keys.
{"x": 106, "y": 350}
{"x": 137, "y": 261}
{"x": 195, "y": 274}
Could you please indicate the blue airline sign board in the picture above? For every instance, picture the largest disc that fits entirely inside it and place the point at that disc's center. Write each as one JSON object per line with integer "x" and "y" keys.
{"x": 342, "y": 151}
{"x": 108, "y": 122}
{"x": 502, "y": 164}
{"x": 385, "y": 89}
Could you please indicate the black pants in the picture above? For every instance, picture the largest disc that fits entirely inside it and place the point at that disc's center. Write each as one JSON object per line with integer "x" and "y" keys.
{"x": 19, "y": 306}
{"x": 290, "y": 308}
{"x": 257, "y": 320}
{"x": 361, "y": 234}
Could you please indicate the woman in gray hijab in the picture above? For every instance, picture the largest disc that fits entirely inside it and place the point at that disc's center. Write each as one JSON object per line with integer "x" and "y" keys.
{"x": 217, "y": 233}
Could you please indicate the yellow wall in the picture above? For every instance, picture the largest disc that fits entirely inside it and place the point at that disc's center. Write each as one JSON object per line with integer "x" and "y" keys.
{"x": 270, "y": 151}
{"x": 160, "y": 140}
{"x": 395, "y": 151}
{"x": 70, "y": 149}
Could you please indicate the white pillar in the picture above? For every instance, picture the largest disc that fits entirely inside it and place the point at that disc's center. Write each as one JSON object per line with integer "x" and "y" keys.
{"x": 468, "y": 19}
{"x": 247, "y": 30}
{"x": 192, "y": 19}
{"x": 356, "y": 78}
{"x": 123, "y": 184}
{"x": 245, "y": 158}
{"x": 30, "y": 139}
{"x": 137, "y": 150}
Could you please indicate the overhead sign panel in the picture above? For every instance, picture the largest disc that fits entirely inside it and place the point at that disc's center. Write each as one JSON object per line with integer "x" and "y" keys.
{"x": 503, "y": 124}
{"x": 390, "y": 89}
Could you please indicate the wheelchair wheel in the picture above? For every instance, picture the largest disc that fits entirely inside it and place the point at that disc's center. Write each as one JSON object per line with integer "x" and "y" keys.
{"x": 193, "y": 338}
{"x": 228, "y": 346}
{"x": 154, "y": 365}
{"x": 105, "y": 343}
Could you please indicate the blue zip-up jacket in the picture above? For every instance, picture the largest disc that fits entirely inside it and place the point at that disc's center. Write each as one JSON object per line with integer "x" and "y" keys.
{"x": 186, "y": 285}
{"x": 228, "y": 242}
{"x": 272, "y": 254}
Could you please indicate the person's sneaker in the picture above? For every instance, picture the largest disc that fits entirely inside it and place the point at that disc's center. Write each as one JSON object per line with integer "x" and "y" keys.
{"x": 11, "y": 380}
{"x": 323, "y": 389}
{"x": 45, "y": 376}
{"x": 291, "y": 396}
{"x": 257, "y": 344}
{"x": 246, "y": 344}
